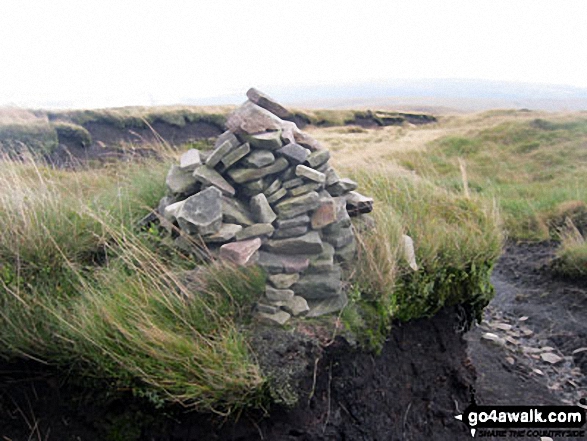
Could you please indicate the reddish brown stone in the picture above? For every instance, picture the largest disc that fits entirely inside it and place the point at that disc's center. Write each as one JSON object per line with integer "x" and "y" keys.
{"x": 325, "y": 214}
{"x": 240, "y": 253}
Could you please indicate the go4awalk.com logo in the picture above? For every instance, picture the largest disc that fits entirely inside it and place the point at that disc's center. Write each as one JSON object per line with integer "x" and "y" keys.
{"x": 525, "y": 421}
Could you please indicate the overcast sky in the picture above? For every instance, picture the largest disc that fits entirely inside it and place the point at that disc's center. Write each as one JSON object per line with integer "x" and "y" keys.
{"x": 109, "y": 53}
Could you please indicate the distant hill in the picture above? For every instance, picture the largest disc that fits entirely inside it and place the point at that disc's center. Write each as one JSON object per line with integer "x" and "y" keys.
{"x": 428, "y": 95}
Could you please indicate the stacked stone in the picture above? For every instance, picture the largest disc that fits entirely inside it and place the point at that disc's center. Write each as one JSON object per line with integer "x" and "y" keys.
{"x": 269, "y": 196}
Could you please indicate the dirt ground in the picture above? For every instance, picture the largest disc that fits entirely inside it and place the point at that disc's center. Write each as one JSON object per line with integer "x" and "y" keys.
{"x": 411, "y": 391}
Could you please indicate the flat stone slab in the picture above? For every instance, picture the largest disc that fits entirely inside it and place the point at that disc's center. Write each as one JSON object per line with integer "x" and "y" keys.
{"x": 224, "y": 234}
{"x": 327, "y": 306}
{"x": 356, "y": 203}
{"x": 209, "y": 176}
{"x": 261, "y": 209}
{"x": 325, "y": 214}
{"x": 259, "y": 158}
{"x": 273, "y": 187}
{"x": 278, "y": 295}
{"x": 235, "y": 212}
{"x": 255, "y": 230}
{"x": 265, "y": 140}
{"x": 236, "y": 155}
{"x": 277, "y": 263}
{"x": 277, "y": 196}
{"x": 283, "y": 233}
{"x": 311, "y": 174}
{"x": 267, "y": 102}
{"x": 331, "y": 176}
{"x": 296, "y": 306}
{"x": 309, "y": 243}
{"x": 306, "y": 188}
{"x": 240, "y": 253}
{"x": 242, "y": 175}
{"x": 279, "y": 318}
{"x": 180, "y": 182}
{"x": 170, "y": 212}
{"x": 346, "y": 253}
{"x": 344, "y": 237}
{"x": 292, "y": 183}
{"x": 319, "y": 286}
{"x": 297, "y": 205}
{"x": 294, "y": 153}
{"x": 318, "y": 158}
{"x": 342, "y": 186}
{"x": 283, "y": 281}
{"x": 225, "y": 144}
{"x": 190, "y": 160}
{"x": 302, "y": 220}
{"x": 202, "y": 212}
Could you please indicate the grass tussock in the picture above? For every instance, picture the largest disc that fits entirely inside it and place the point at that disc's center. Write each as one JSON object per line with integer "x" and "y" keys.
{"x": 571, "y": 257}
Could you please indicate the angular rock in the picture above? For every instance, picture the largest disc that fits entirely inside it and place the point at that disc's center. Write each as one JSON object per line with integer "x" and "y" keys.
{"x": 277, "y": 263}
{"x": 255, "y": 230}
{"x": 278, "y": 318}
{"x": 283, "y": 233}
{"x": 236, "y": 155}
{"x": 296, "y": 306}
{"x": 240, "y": 253}
{"x": 288, "y": 174}
{"x": 278, "y": 295}
{"x": 364, "y": 222}
{"x": 171, "y": 211}
{"x": 253, "y": 188}
{"x": 224, "y": 234}
{"x": 310, "y": 173}
{"x": 323, "y": 262}
{"x": 294, "y": 153}
{"x": 251, "y": 118}
{"x": 309, "y": 243}
{"x": 267, "y": 309}
{"x": 302, "y": 220}
{"x": 180, "y": 182}
{"x": 342, "y": 186}
{"x": 319, "y": 286}
{"x": 273, "y": 187}
{"x": 225, "y": 144}
{"x": 209, "y": 176}
{"x": 283, "y": 281}
{"x": 306, "y": 188}
{"x": 241, "y": 175}
{"x": 278, "y": 195}
{"x": 235, "y": 212}
{"x": 346, "y": 253}
{"x": 305, "y": 140}
{"x": 344, "y": 237}
{"x": 331, "y": 176}
{"x": 164, "y": 202}
{"x": 266, "y": 140}
{"x": 327, "y": 306}
{"x": 264, "y": 101}
{"x": 201, "y": 213}
{"x": 261, "y": 210}
{"x": 325, "y": 214}
{"x": 295, "y": 206}
{"x": 292, "y": 183}
{"x": 190, "y": 160}
{"x": 356, "y": 203}
{"x": 259, "y": 158}
{"x": 318, "y": 158}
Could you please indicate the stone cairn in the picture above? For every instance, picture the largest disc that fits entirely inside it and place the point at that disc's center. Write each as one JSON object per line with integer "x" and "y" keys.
{"x": 267, "y": 195}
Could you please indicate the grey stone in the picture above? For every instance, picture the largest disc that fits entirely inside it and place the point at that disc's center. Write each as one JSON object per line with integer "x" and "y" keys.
{"x": 310, "y": 173}
{"x": 171, "y": 211}
{"x": 324, "y": 167}
{"x": 251, "y": 118}
{"x": 278, "y": 318}
{"x": 273, "y": 187}
{"x": 202, "y": 213}
{"x": 240, "y": 253}
{"x": 306, "y": 188}
{"x": 236, "y": 155}
{"x": 302, "y": 220}
{"x": 288, "y": 174}
{"x": 292, "y": 183}
{"x": 283, "y": 281}
{"x": 267, "y": 309}
{"x": 268, "y": 103}
{"x": 225, "y": 144}
{"x": 265, "y": 140}
{"x": 205, "y": 154}
{"x": 364, "y": 222}
{"x": 294, "y": 153}
{"x": 278, "y": 263}
{"x": 344, "y": 237}
{"x": 318, "y": 158}
{"x": 209, "y": 176}
{"x": 309, "y": 243}
{"x": 346, "y": 253}
{"x": 190, "y": 160}
{"x": 296, "y": 306}
{"x": 261, "y": 210}
{"x": 325, "y": 214}
{"x": 253, "y": 188}
{"x": 278, "y": 295}
{"x": 235, "y": 212}
{"x": 164, "y": 202}
{"x": 241, "y": 175}
{"x": 319, "y": 286}
{"x": 327, "y": 306}
{"x": 180, "y": 182}
{"x": 295, "y": 206}
{"x": 356, "y": 203}
{"x": 305, "y": 140}
{"x": 224, "y": 234}
{"x": 278, "y": 195}
{"x": 323, "y": 262}
{"x": 259, "y": 158}
{"x": 342, "y": 186}
{"x": 283, "y": 233}
{"x": 255, "y": 230}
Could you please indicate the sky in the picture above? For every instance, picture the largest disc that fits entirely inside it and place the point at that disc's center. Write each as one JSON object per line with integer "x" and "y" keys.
{"x": 72, "y": 53}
